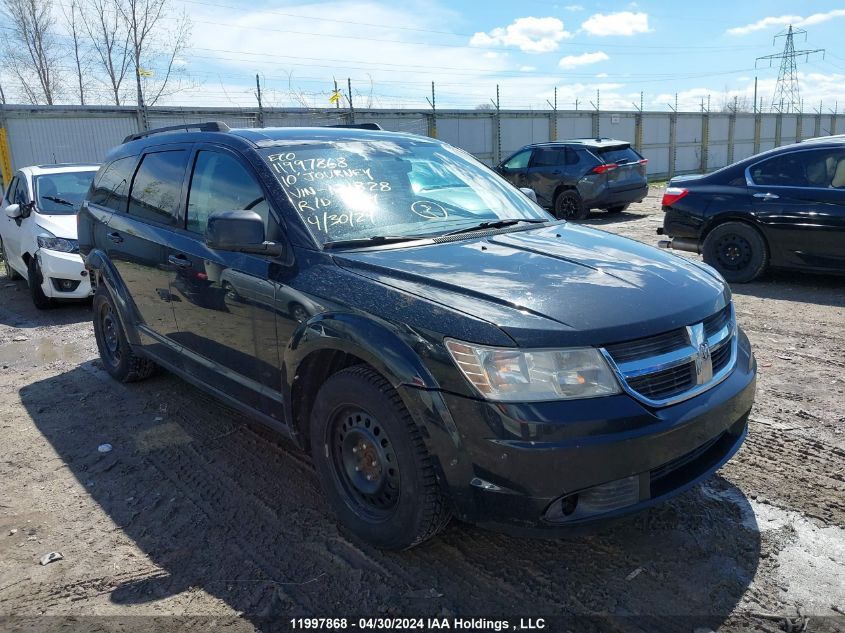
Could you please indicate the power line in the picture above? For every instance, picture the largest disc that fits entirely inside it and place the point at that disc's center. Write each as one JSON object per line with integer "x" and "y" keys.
{"x": 787, "y": 96}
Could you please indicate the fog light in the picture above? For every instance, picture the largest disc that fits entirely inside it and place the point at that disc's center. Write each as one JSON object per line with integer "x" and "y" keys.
{"x": 65, "y": 285}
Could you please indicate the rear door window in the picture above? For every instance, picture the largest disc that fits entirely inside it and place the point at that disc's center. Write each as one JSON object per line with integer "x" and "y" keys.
{"x": 111, "y": 185}
{"x": 221, "y": 183}
{"x": 156, "y": 192}
{"x": 548, "y": 157}
{"x": 824, "y": 168}
{"x": 620, "y": 154}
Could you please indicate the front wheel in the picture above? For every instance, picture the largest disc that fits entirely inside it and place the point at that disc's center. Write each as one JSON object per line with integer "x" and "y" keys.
{"x": 115, "y": 352}
{"x": 569, "y": 206}
{"x": 737, "y": 251}
{"x": 372, "y": 462}
{"x": 35, "y": 279}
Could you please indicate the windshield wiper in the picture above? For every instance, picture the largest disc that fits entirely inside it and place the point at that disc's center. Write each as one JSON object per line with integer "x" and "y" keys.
{"x": 495, "y": 224}
{"x": 375, "y": 240}
{"x": 58, "y": 200}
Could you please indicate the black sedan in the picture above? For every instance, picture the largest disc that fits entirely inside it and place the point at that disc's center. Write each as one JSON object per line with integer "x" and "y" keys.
{"x": 784, "y": 208}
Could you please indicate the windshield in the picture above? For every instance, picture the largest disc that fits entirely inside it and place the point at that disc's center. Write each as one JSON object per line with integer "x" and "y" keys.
{"x": 62, "y": 194}
{"x": 349, "y": 190}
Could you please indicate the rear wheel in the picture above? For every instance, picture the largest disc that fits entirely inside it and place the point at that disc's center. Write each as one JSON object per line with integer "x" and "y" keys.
{"x": 372, "y": 462}
{"x": 117, "y": 355}
{"x": 569, "y": 206}
{"x": 619, "y": 208}
{"x": 11, "y": 273}
{"x": 737, "y": 251}
{"x": 35, "y": 279}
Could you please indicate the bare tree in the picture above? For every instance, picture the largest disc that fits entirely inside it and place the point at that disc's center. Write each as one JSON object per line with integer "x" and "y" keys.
{"x": 31, "y": 51}
{"x": 73, "y": 16}
{"x": 150, "y": 42}
{"x": 109, "y": 39}
{"x": 735, "y": 103}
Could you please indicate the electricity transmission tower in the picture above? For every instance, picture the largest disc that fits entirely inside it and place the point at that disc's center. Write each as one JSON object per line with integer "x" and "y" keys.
{"x": 787, "y": 97}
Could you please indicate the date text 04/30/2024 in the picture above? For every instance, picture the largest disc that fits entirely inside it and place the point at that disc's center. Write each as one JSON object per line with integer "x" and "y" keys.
{"x": 416, "y": 624}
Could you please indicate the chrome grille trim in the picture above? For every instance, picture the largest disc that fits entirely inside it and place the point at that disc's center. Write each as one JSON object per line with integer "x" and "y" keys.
{"x": 687, "y": 355}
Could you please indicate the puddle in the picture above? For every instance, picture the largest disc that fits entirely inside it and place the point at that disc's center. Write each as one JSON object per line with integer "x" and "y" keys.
{"x": 38, "y": 352}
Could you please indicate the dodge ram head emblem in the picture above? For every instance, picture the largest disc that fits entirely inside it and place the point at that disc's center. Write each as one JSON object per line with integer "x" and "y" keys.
{"x": 703, "y": 361}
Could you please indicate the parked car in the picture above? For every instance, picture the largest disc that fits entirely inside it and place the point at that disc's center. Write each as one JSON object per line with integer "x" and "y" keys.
{"x": 572, "y": 177}
{"x": 784, "y": 208}
{"x": 38, "y": 232}
{"x": 463, "y": 355}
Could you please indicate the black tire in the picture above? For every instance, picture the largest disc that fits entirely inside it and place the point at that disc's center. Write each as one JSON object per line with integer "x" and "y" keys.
{"x": 569, "y": 206}
{"x": 115, "y": 352}
{"x": 737, "y": 250}
{"x": 11, "y": 273}
{"x": 372, "y": 462}
{"x": 619, "y": 208}
{"x": 35, "y": 279}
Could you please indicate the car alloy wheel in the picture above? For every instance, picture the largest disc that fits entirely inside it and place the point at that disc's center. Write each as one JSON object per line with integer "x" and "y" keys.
{"x": 364, "y": 463}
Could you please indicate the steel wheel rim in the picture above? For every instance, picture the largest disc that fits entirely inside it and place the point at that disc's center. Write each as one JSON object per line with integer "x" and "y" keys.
{"x": 110, "y": 336}
{"x": 364, "y": 463}
{"x": 733, "y": 252}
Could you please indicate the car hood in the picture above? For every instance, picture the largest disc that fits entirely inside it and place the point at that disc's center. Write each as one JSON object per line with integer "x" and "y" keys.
{"x": 58, "y": 225}
{"x": 562, "y": 284}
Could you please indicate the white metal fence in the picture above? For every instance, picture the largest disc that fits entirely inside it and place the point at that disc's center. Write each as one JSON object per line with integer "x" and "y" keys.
{"x": 674, "y": 143}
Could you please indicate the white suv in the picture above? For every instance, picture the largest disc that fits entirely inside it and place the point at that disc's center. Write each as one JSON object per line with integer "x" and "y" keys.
{"x": 38, "y": 238}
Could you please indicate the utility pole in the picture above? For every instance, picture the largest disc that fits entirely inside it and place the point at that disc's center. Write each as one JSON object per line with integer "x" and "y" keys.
{"x": 498, "y": 127}
{"x": 596, "y": 115}
{"x": 143, "y": 121}
{"x": 787, "y": 97}
{"x": 432, "y": 128}
{"x": 349, "y": 97}
{"x": 755, "y": 95}
{"x": 260, "y": 106}
{"x": 336, "y": 101}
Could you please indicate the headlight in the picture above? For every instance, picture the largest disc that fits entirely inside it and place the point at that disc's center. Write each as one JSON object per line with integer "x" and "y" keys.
{"x": 514, "y": 375}
{"x": 58, "y": 244}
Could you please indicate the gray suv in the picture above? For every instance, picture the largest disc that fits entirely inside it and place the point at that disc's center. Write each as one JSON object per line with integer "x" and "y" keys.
{"x": 572, "y": 177}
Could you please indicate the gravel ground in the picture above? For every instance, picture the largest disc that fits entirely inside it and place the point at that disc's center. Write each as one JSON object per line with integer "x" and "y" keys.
{"x": 196, "y": 513}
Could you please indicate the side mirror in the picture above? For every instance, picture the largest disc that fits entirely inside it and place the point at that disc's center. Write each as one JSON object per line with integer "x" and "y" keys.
{"x": 529, "y": 193}
{"x": 239, "y": 231}
{"x": 14, "y": 211}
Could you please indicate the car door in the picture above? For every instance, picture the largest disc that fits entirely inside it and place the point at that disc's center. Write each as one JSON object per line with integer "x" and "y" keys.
{"x": 225, "y": 309}
{"x": 8, "y": 227}
{"x": 545, "y": 172}
{"x": 799, "y": 198}
{"x": 515, "y": 168}
{"x": 139, "y": 242}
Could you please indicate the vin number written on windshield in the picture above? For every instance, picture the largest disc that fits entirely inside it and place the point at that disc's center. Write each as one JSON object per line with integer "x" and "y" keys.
{"x": 327, "y": 192}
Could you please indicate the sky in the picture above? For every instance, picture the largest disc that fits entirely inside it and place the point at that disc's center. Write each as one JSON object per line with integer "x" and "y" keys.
{"x": 392, "y": 51}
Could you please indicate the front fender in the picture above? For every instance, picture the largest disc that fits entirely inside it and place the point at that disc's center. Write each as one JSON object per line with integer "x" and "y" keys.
{"x": 396, "y": 356}
{"x": 104, "y": 274}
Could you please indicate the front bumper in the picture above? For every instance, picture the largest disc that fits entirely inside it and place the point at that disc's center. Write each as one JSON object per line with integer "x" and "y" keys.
{"x": 555, "y": 465}
{"x": 56, "y": 268}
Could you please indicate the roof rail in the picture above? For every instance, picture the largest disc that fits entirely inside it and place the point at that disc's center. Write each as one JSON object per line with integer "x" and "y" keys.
{"x": 210, "y": 126}
{"x": 359, "y": 126}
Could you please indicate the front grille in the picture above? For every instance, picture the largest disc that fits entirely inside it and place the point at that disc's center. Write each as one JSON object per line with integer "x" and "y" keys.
{"x": 678, "y": 364}
{"x": 666, "y": 383}
{"x": 646, "y": 347}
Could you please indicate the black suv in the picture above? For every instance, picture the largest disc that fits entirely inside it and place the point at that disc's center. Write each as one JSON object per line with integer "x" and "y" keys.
{"x": 572, "y": 177}
{"x": 784, "y": 208}
{"x": 437, "y": 341}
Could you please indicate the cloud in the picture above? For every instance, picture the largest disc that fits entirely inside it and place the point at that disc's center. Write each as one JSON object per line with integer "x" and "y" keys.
{"x": 573, "y": 61}
{"x": 620, "y": 23}
{"x": 574, "y": 7}
{"x": 784, "y": 20}
{"x": 529, "y": 34}
{"x": 527, "y": 69}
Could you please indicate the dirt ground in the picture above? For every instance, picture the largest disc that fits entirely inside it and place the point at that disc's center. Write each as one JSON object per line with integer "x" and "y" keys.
{"x": 198, "y": 516}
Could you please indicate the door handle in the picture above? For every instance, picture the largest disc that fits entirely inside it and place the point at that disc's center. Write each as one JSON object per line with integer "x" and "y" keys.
{"x": 767, "y": 196}
{"x": 180, "y": 261}
{"x": 115, "y": 237}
